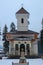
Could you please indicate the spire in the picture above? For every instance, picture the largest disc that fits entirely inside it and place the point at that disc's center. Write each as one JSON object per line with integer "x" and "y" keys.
{"x": 22, "y": 4}
{"x": 42, "y": 23}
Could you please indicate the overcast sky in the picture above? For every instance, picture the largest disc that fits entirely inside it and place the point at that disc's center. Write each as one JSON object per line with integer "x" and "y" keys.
{"x": 8, "y": 8}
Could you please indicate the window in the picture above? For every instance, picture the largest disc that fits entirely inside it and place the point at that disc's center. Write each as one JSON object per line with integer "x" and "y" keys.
{"x": 28, "y": 50}
{"x": 27, "y": 46}
{"x": 16, "y": 46}
{"x": 22, "y": 20}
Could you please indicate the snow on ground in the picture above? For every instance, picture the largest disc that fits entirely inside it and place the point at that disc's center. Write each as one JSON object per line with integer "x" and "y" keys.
{"x": 31, "y": 61}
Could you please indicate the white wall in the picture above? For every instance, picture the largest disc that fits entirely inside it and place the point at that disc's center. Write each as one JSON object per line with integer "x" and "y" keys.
{"x": 20, "y": 26}
{"x": 34, "y": 48}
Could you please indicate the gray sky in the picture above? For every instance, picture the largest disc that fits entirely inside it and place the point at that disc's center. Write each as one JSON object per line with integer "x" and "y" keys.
{"x": 8, "y": 8}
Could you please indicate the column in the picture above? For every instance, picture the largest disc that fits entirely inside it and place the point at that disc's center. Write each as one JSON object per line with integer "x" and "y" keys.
{"x": 10, "y": 48}
{"x": 14, "y": 49}
{"x": 30, "y": 49}
{"x": 19, "y": 49}
{"x": 25, "y": 50}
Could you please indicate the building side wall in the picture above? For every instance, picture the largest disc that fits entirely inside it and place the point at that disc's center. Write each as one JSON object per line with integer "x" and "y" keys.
{"x": 34, "y": 48}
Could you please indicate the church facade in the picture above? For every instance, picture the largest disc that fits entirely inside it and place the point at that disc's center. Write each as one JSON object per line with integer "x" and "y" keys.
{"x": 22, "y": 38}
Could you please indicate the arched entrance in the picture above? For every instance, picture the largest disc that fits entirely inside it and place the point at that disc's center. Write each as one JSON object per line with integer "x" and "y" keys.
{"x": 28, "y": 50}
{"x": 22, "y": 46}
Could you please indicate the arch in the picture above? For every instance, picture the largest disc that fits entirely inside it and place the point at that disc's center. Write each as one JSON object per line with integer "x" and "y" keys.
{"x": 16, "y": 46}
{"x": 22, "y": 20}
{"x": 22, "y": 46}
{"x": 27, "y": 48}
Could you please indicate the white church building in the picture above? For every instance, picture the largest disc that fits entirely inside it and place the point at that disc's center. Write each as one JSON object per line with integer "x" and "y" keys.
{"x": 23, "y": 38}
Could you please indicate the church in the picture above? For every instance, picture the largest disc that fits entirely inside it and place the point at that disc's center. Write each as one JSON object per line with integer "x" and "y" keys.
{"x": 22, "y": 38}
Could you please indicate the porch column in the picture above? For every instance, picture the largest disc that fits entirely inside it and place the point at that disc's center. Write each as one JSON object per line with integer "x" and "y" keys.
{"x": 25, "y": 50}
{"x": 30, "y": 48}
{"x": 18, "y": 49}
{"x": 14, "y": 49}
{"x": 10, "y": 48}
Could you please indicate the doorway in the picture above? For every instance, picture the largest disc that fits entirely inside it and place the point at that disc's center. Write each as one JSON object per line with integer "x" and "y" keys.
{"x": 28, "y": 49}
{"x": 22, "y": 46}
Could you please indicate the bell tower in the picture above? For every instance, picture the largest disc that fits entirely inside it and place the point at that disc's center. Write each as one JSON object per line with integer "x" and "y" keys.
{"x": 22, "y": 19}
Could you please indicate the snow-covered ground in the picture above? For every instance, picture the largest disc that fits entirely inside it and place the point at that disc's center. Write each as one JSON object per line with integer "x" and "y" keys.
{"x": 31, "y": 61}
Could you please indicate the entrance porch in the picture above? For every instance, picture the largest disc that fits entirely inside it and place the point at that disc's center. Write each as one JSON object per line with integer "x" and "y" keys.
{"x": 16, "y": 47}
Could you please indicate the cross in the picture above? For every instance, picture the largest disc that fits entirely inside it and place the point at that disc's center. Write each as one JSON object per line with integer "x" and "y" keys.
{"x": 22, "y": 4}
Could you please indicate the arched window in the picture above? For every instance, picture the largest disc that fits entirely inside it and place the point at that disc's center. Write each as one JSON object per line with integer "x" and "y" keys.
{"x": 22, "y": 20}
{"x": 16, "y": 46}
{"x": 22, "y": 46}
{"x": 27, "y": 46}
{"x": 28, "y": 50}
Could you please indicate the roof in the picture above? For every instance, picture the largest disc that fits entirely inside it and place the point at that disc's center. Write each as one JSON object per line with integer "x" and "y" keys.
{"x": 22, "y": 11}
{"x": 24, "y": 32}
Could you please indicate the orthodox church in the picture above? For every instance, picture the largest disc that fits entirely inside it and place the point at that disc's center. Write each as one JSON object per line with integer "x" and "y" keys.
{"x": 23, "y": 38}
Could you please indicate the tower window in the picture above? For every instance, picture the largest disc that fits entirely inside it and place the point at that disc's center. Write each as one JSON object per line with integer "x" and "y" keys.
{"x": 22, "y": 20}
